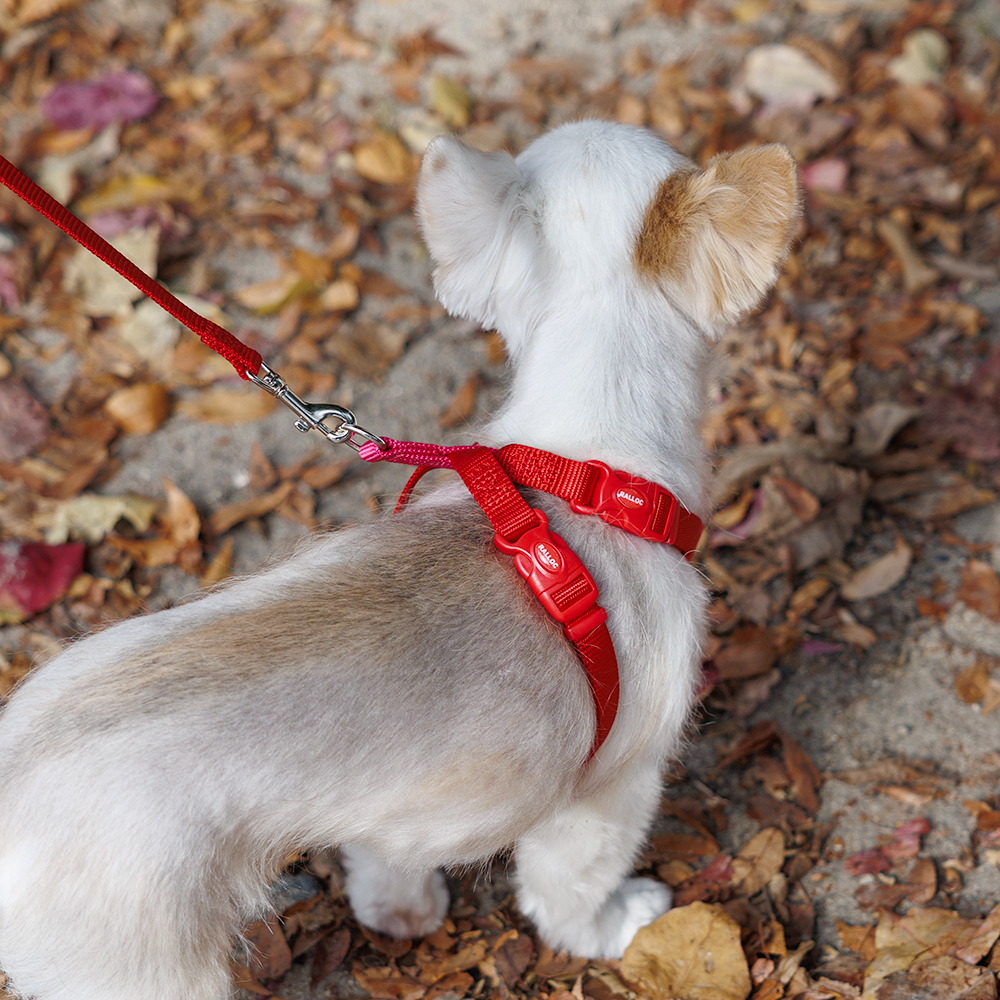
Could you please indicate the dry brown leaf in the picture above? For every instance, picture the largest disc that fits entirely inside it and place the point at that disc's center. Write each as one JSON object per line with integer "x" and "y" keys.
{"x": 880, "y": 575}
{"x": 139, "y": 409}
{"x": 227, "y": 406}
{"x": 462, "y": 406}
{"x": 180, "y": 517}
{"x": 750, "y": 651}
{"x": 225, "y": 517}
{"x": 384, "y": 159}
{"x": 690, "y": 953}
{"x": 218, "y": 569}
{"x": 972, "y": 685}
{"x": 980, "y": 589}
{"x": 30, "y": 11}
{"x": 759, "y": 860}
{"x": 941, "y": 978}
{"x": 803, "y": 504}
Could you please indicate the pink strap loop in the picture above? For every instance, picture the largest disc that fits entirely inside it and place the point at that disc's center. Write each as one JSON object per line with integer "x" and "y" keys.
{"x": 434, "y": 456}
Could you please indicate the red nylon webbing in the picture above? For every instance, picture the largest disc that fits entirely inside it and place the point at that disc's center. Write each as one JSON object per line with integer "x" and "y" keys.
{"x": 507, "y": 510}
{"x": 542, "y": 470}
{"x": 244, "y": 359}
{"x": 511, "y": 516}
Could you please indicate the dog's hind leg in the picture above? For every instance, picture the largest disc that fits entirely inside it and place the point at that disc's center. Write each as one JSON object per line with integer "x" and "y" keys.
{"x": 393, "y": 901}
{"x": 571, "y": 870}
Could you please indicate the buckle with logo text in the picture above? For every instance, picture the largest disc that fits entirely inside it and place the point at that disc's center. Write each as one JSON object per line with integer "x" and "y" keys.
{"x": 636, "y": 505}
{"x": 555, "y": 575}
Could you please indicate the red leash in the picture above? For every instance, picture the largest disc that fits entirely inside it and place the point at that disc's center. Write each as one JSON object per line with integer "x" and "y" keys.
{"x": 552, "y": 570}
{"x": 244, "y": 359}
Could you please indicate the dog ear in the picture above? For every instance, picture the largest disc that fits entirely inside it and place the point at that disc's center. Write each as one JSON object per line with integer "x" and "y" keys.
{"x": 465, "y": 204}
{"x": 715, "y": 239}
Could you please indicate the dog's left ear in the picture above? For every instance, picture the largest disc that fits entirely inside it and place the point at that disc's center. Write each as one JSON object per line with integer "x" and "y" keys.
{"x": 715, "y": 239}
{"x": 465, "y": 203}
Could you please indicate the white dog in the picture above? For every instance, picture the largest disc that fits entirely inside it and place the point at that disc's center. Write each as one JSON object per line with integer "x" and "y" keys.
{"x": 396, "y": 688}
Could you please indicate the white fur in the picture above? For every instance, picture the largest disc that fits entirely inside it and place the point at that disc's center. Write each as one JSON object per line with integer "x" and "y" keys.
{"x": 153, "y": 776}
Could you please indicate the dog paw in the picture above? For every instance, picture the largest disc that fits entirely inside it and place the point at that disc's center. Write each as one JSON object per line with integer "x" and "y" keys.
{"x": 636, "y": 903}
{"x": 391, "y": 901}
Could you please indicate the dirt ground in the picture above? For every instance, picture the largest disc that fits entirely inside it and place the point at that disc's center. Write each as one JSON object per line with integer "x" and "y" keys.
{"x": 855, "y": 421}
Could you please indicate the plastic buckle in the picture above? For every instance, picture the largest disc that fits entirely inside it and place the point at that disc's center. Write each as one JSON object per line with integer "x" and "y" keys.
{"x": 636, "y": 505}
{"x": 555, "y": 575}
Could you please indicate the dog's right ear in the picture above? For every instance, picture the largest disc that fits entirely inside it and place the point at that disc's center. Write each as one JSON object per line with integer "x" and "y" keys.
{"x": 464, "y": 204}
{"x": 715, "y": 239}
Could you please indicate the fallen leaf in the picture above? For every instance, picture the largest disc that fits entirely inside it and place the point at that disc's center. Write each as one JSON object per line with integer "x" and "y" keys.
{"x": 690, "y": 953}
{"x": 870, "y": 860}
{"x": 102, "y": 291}
{"x": 24, "y": 422}
{"x": 219, "y": 567}
{"x": 880, "y": 575}
{"x": 923, "y": 60}
{"x": 451, "y": 101}
{"x": 750, "y": 651}
{"x": 91, "y": 517}
{"x": 972, "y": 685}
{"x": 270, "y": 955}
{"x": 940, "y": 978}
{"x": 340, "y": 296}
{"x": 906, "y": 839}
{"x": 33, "y": 576}
{"x": 180, "y": 517}
{"x": 226, "y": 517}
{"x": 980, "y": 589}
{"x": 116, "y": 97}
{"x": 759, "y": 860}
{"x": 384, "y": 159}
{"x": 266, "y": 297}
{"x": 462, "y": 405}
{"x": 227, "y": 406}
{"x": 786, "y": 77}
{"x": 139, "y": 409}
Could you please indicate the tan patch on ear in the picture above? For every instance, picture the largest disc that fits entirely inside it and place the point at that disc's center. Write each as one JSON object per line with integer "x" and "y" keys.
{"x": 662, "y": 233}
{"x": 718, "y": 237}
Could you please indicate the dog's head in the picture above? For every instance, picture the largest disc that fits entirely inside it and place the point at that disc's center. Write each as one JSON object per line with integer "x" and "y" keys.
{"x": 593, "y": 205}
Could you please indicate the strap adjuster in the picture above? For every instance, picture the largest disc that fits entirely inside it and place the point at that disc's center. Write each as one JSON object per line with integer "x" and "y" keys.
{"x": 636, "y": 505}
{"x": 553, "y": 571}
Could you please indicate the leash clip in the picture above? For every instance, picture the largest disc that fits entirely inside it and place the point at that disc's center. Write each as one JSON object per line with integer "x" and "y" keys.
{"x": 556, "y": 577}
{"x": 636, "y": 505}
{"x": 311, "y": 416}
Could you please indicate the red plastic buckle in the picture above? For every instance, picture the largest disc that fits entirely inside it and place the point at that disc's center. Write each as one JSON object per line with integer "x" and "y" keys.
{"x": 636, "y": 505}
{"x": 556, "y": 577}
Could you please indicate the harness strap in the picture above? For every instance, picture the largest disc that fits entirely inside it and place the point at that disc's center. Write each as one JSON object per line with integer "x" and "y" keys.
{"x": 638, "y": 506}
{"x": 553, "y": 571}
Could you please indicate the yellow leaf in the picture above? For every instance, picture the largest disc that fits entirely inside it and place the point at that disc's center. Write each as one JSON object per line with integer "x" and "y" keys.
{"x": 227, "y": 406}
{"x": 137, "y": 189}
{"x": 267, "y": 297}
{"x": 690, "y": 953}
{"x": 384, "y": 159}
{"x": 91, "y": 517}
{"x": 451, "y": 101}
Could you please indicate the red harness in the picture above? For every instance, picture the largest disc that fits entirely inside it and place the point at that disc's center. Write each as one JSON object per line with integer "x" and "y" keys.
{"x": 552, "y": 570}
